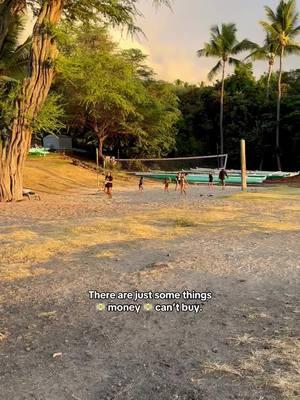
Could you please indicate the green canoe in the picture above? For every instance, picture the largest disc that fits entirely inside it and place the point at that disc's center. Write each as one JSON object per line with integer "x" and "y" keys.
{"x": 197, "y": 178}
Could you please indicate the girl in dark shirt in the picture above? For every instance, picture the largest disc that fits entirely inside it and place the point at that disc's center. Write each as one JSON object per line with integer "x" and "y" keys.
{"x": 222, "y": 176}
{"x": 166, "y": 185}
{"x": 109, "y": 184}
{"x": 141, "y": 184}
{"x": 210, "y": 180}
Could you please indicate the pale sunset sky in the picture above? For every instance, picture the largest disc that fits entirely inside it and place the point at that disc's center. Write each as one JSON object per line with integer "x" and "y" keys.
{"x": 173, "y": 37}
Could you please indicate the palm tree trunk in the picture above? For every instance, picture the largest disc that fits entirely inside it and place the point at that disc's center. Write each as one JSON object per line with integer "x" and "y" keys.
{"x": 222, "y": 110}
{"x": 269, "y": 80}
{"x": 277, "y": 150}
{"x": 14, "y": 145}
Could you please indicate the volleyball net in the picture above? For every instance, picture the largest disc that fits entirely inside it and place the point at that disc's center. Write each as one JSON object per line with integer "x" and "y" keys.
{"x": 197, "y": 163}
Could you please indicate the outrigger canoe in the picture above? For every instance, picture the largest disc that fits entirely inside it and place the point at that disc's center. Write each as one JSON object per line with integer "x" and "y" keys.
{"x": 271, "y": 175}
{"x": 198, "y": 178}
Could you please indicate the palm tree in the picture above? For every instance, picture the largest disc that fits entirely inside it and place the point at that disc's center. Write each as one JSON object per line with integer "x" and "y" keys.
{"x": 223, "y": 45}
{"x": 268, "y": 52}
{"x": 281, "y": 26}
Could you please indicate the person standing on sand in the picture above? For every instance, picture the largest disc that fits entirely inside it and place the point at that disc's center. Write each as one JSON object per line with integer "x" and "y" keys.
{"x": 222, "y": 176}
{"x": 105, "y": 181}
{"x": 183, "y": 183}
{"x": 141, "y": 184}
{"x": 177, "y": 180}
{"x": 210, "y": 180}
{"x": 166, "y": 185}
{"x": 109, "y": 184}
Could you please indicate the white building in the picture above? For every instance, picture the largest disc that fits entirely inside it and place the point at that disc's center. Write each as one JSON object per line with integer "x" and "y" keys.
{"x": 53, "y": 142}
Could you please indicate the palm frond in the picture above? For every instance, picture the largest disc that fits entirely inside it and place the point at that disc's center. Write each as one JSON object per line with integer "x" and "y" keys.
{"x": 270, "y": 14}
{"x": 258, "y": 54}
{"x": 228, "y": 36}
{"x": 281, "y": 24}
{"x": 270, "y": 29}
{"x": 244, "y": 45}
{"x": 234, "y": 61}
{"x": 295, "y": 31}
{"x": 163, "y": 2}
{"x": 293, "y": 47}
{"x": 209, "y": 50}
{"x": 215, "y": 70}
{"x": 201, "y": 52}
{"x": 215, "y": 30}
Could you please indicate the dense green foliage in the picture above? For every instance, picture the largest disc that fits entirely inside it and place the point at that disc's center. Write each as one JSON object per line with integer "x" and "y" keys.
{"x": 247, "y": 115}
{"x": 111, "y": 96}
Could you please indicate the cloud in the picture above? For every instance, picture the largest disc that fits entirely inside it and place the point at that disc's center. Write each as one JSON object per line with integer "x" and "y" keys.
{"x": 168, "y": 61}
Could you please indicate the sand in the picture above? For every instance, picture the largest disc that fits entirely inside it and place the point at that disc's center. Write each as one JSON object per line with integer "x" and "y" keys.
{"x": 58, "y": 344}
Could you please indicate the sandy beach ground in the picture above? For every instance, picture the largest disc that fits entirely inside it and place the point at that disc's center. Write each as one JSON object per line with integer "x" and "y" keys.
{"x": 56, "y": 344}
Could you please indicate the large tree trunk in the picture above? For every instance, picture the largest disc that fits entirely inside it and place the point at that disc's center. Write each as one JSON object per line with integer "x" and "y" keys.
{"x": 14, "y": 146}
{"x": 277, "y": 145}
{"x": 222, "y": 110}
{"x": 101, "y": 134}
{"x": 100, "y": 149}
{"x": 101, "y": 139}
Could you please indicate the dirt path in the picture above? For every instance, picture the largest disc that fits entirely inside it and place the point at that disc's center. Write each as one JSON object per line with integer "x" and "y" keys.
{"x": 243, "y": 345}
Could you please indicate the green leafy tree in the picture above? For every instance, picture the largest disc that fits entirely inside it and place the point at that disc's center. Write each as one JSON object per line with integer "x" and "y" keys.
{"x": 33, "y": 92}
{"x": 113, "y": 94}
{"x": 157, "y": 127}
{"x": 282, "y": 28}
{"x": 224, "y": 46}
{"x": 198, "y": 123}
{"x": 102, "y": 85}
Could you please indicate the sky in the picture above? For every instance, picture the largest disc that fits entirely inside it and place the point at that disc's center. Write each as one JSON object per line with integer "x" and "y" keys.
{"x": 173, "y": 37}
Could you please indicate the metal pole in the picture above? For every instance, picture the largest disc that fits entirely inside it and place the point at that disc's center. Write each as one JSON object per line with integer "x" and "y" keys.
{"x": 243, "y": 165}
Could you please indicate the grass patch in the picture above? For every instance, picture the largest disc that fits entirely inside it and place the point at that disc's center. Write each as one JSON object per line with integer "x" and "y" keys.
{"x": 185, "y": 223}
{"x": 19, "y": 235}
{"x": 106, "y": 254}
{"x": 24, "y": 251}
{"x": 220, "y": 368}
{"x": 275, "y": 364}
{"x": 55, "y": 174}
{"x": 271, "y": 194}
{"x": 243, "y": 339}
